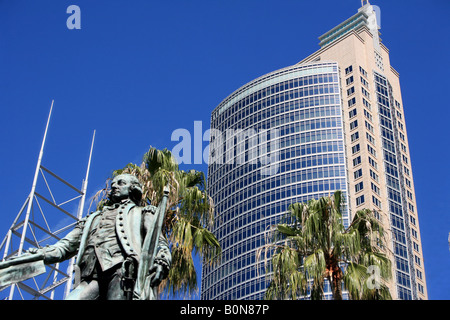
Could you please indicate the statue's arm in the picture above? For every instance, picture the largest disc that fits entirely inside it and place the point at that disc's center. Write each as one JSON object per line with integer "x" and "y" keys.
{"x": 65, "y": 248}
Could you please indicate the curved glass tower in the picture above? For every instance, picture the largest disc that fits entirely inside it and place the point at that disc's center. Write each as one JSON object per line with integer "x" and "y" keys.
{"x": 275, "y": 141}
{"x": 333, "y": 121}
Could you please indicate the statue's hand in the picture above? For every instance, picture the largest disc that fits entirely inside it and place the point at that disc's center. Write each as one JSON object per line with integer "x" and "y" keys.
{"x": 34, "y": 250}
{"x": 149, "y": 208}
{"x": 29, "y": 252}
{"x": 158, "y": 275}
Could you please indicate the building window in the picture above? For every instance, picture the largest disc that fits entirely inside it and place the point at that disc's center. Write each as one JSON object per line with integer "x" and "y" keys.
{"x": 417, "y": 260}
{"x": 357, "y": 174}
{"x": 352, "y": 113}
{"x": 372, "y": 151}
{"x": 373, "y": 163}
{"x": 364, "y": 82}
{"x": 365, "y": 93}
{"x": 373, "y": 175}
{"x": 360, "y": 200}
{"x": 363, "y": 72}
{"x": 352, "y": 102}
{"x": 376, "y": 214}
{"x": 354, "y": 136}
{"x": 409, "y": 194}
{"x": 349, "y": 80}
{"x": 404, "y": 294}
{"x": 369, "y": 126}
{"x": 376, "y": 201}
{"x": 359, "y": 186}
{"x": 375, "y": 188}
{"x": 355, "y": 148}
{"x": 368, "y": 115}
{"x": 348, "y": 70}
{"x": 367, "y": 104}
{"x": 350, "y": 91}
{"x": 406, "y": 170}
{"x": 353, "y": 124}
{"x": 420, "y": 287}
{"x": 405, "y": 159}
{"x": 356, "y": 161}
{"x": 408, "y": 183}
{"x": 370, "y": 138}
{"x": 419, "y": 274}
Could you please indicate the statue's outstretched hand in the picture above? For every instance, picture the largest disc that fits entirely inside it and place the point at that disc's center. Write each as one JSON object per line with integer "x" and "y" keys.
{"x": 33, "y": 250}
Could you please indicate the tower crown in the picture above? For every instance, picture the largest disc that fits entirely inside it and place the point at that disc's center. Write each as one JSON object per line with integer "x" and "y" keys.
{"x": 367, "y": 16}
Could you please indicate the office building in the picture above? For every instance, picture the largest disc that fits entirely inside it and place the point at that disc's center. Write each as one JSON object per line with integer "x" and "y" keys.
{"x": 334, "y": 121}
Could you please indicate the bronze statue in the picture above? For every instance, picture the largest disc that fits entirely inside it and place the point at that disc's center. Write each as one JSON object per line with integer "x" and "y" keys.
{"x": 121, "y": 253}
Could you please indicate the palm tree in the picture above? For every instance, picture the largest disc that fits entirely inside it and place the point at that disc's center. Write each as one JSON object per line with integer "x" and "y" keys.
{"x": 313, "y": 245}
{"x": 189, "y": 214}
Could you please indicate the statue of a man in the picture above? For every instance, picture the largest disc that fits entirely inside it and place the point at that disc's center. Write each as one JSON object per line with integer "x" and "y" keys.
{"x": 108, "y": 245}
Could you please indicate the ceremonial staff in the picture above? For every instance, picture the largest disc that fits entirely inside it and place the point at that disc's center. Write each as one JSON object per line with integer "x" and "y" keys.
{"x": 149, "y": 250}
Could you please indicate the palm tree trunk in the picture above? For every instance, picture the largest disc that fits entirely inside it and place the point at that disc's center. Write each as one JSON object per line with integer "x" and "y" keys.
{"x": 335, "y": 280}
{"x": 337, "y": 287}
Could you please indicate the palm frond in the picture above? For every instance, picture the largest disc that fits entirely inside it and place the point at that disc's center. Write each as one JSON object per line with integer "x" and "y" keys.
{"x": 354, "y": 277}
{"x": 324, "y": 248}
{"x": 315, "y": 265}
{"x": 190, "y": 212}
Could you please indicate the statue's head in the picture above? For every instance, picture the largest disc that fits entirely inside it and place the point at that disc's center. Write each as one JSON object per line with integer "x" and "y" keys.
{"x": 125, "y": 186}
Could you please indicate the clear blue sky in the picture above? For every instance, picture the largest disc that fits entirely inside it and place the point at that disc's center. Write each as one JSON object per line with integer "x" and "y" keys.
{"x": 138, "y": 70}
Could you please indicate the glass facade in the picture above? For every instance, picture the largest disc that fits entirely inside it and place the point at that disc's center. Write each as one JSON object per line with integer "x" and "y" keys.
{"x": 396, "y": 192}
{"x": 288, "y": 137}
{"x": 275, "y": 141}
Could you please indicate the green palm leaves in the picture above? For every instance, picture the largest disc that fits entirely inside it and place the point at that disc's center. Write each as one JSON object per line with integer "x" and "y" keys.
{"x": 190, "y": 212}
{"x": 313, "y": 246}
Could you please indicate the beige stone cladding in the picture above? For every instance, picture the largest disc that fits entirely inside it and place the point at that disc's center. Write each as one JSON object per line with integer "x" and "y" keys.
{"x": 359, "y": 58}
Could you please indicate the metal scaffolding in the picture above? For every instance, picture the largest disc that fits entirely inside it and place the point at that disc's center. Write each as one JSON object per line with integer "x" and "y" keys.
{"x": 43, "y": 220}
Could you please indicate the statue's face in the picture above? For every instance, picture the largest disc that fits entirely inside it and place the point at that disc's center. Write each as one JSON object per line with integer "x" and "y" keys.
{"x": 120, "y": 188}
